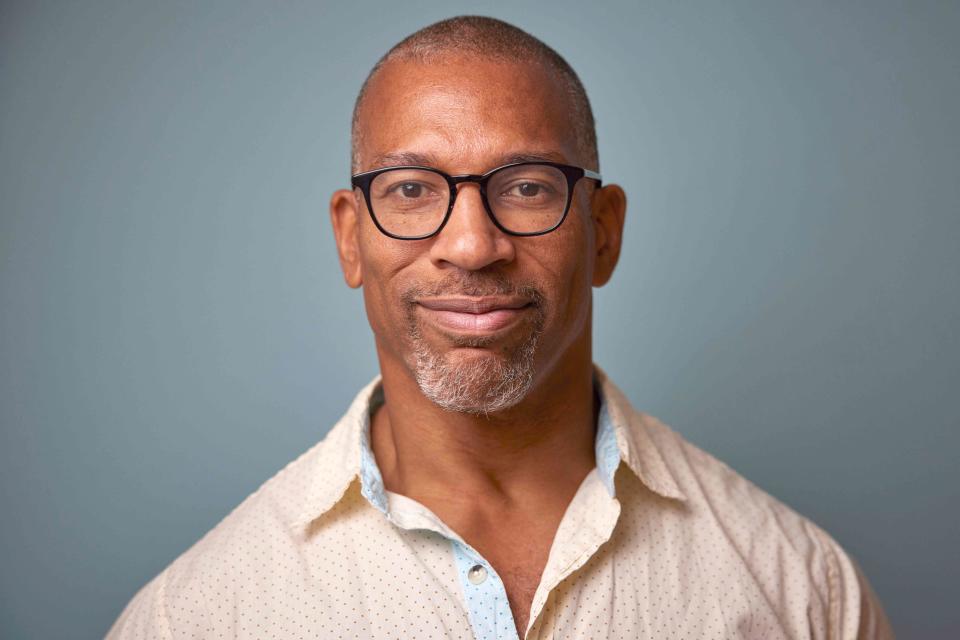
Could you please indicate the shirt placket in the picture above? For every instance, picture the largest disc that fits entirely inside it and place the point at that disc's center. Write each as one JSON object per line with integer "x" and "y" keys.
{"x": 484, "y": 595}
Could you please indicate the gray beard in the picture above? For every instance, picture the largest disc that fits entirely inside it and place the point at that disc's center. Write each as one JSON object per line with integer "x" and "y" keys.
{"x": 478, "y": 385}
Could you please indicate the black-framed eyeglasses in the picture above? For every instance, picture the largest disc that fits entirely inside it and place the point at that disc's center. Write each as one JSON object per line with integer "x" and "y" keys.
{"x": 521, "y": 198}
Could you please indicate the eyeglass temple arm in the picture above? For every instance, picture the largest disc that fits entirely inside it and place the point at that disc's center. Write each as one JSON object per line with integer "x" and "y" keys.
{"x": 593, "y": 174}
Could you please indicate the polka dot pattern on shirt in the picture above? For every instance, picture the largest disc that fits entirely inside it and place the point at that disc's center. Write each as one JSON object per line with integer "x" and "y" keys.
{"x": 683, "y": 548}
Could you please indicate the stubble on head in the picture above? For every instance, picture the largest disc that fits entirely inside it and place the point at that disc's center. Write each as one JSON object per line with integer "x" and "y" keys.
{"x": 489, "y": 380}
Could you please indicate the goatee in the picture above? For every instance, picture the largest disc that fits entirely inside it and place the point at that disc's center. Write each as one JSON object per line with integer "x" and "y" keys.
{"x": 484, "y": 383}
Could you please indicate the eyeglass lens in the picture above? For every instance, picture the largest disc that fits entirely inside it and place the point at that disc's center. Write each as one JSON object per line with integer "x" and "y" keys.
{"x": 523, "y": 199}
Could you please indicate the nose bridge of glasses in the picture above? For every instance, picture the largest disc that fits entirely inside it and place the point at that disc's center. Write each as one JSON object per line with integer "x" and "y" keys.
{"x": 466, "y": 178}
{"x": 459, "y": 181}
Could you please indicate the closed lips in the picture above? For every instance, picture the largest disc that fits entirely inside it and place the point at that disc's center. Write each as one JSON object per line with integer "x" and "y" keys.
{"x": 474, "y": 315}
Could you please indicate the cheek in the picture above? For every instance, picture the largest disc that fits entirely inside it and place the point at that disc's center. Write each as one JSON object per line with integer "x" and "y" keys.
{"x": 384, "y": 261}
{"x": 571, "y": 272}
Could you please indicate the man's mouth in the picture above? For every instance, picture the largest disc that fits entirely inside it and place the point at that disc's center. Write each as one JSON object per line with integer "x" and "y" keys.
{"x": 474, "y": 315}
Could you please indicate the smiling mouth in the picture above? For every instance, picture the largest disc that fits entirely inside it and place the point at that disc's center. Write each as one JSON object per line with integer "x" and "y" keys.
{"x": 475, "y": 316}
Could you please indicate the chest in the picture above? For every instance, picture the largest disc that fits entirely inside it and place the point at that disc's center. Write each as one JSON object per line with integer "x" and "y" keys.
{"x": 519, "y": 556}
{"x": 520, "y": 584}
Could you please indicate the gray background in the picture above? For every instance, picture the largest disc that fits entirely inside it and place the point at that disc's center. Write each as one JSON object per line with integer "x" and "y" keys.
{"x": 175, "y": 328}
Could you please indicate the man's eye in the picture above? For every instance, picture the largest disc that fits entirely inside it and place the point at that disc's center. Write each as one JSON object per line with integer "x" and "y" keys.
{"x": 411, "y": 190}
{"x": 527, "y": 190}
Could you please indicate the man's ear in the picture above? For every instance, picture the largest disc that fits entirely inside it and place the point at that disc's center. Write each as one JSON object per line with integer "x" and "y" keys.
{"x": 609, "y": 206}
{"x": 344, "y": 215}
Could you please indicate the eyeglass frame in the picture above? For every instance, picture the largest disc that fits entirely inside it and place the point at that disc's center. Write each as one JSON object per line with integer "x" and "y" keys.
{"x": 573, "y": 174}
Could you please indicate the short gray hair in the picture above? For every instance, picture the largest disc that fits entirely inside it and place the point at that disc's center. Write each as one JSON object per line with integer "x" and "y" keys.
{"x": 491, "y": 39}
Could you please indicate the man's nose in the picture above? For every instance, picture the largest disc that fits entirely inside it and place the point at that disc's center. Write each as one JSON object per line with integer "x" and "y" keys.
{"x": 470, "y": 240}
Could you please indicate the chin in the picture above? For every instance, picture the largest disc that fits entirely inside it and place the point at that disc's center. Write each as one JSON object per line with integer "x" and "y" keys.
{"x": 475, "y": 380}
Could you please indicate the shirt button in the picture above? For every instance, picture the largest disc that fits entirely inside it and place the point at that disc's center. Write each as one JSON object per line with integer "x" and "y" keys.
{"x": 477, "y": 574}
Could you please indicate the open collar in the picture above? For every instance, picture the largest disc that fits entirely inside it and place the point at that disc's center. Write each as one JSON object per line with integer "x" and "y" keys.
{"x": 345, "y": 455}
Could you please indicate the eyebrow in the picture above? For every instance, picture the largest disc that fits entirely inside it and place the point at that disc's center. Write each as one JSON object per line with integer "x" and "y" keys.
{"x": 402, "y": 158}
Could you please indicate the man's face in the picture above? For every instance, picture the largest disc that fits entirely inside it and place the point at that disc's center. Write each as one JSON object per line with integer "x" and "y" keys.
{"x": 476, "y": 316}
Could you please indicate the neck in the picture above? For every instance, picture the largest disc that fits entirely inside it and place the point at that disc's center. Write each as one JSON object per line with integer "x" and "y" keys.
{"x": 524, "y": 453}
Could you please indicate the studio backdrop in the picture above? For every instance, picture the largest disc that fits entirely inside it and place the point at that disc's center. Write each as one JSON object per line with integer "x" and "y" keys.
{"x": 174, "y": 326}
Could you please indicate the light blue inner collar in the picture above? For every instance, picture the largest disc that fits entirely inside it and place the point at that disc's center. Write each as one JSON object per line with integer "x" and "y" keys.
{"x": 605, "y": 448}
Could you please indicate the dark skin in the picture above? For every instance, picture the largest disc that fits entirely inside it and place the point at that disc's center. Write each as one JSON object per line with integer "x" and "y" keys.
{"x": 502, "y": 481}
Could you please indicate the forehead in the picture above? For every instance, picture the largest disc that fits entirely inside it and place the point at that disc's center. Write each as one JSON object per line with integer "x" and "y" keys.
{"x": 466, "y": 114}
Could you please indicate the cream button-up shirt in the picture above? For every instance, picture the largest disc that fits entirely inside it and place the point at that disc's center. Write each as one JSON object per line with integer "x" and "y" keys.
{"x": 660, "y": 541}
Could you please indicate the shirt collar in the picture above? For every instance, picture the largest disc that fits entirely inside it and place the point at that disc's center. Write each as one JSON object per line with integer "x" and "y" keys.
{"x": 623, "y": 434}
{"x": 635, "y": 440}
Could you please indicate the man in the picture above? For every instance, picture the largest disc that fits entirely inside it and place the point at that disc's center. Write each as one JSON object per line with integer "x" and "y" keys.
{"x": 492, "y": 483}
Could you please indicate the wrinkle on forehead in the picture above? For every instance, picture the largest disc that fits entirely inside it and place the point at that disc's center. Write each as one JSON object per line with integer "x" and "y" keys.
{"x": 466, "y": 114}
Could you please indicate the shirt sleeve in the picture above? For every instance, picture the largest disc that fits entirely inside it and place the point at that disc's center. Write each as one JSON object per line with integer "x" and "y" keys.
{"x": 145, "y": 617}
{"x": 855, "y": 611}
